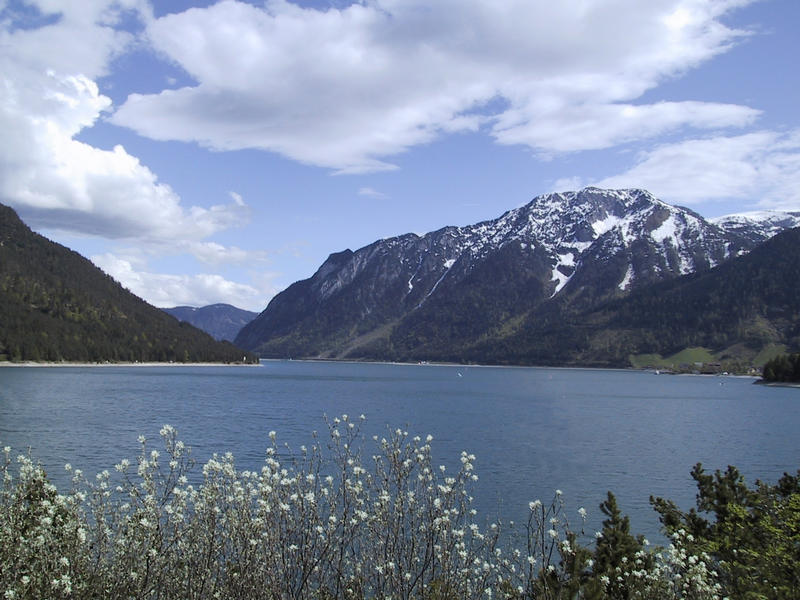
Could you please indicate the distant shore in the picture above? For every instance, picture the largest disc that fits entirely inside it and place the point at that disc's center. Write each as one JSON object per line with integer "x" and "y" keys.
{"x": 466, "y": 366}
{"x": 124, "y": 364}
{"x": 791, "y": 384}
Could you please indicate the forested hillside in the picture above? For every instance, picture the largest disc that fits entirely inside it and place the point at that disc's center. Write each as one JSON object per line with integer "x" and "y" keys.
{"x": 601, "y": 278}
{"x": 446, "y": 292}
{"x": 735, "y": 310}
{"x": 57, "y": 306}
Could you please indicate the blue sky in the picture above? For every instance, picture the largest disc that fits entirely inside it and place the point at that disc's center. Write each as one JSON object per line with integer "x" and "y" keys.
{"x": 207, "y": 152}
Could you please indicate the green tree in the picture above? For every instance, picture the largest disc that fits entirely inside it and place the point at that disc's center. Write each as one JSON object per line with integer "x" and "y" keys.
{"x": 783, "y": 368}
{"x": 753, "y": 534}
{"x": 616, "y": 551}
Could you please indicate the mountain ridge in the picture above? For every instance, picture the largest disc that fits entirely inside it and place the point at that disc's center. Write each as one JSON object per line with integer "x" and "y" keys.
{"x": 58, "y": 306}
{"x": 221, "y": 321}
{"x": 758, "y": 226}
{"x": 560, "y": 253}
{"x": 738, "y": 308}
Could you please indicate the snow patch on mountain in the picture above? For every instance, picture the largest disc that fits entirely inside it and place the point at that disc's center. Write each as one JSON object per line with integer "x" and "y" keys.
{"x": 667, "y": 230}
{"x": 562, "y": 237}
{"x": 602, "y": 225}
{"x": 568, "y": 225}
{"x": 559, "y": 276}
{"x": 626, "y": 281}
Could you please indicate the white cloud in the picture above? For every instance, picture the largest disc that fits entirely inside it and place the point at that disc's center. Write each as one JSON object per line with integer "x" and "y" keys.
{"x": 80, "y": 37}
{"x": 369, "y": 192}
{"x": 568, "y": 184}
{"x": 166, "y": 290}
{"x": 212, "y": 253}
{"x": 347, "y": 88}
{"x": 57, "y": 182}
{"x": 48, "y": 95}
{"x": 762, "y": 168}
{"x": 607, "y": 125}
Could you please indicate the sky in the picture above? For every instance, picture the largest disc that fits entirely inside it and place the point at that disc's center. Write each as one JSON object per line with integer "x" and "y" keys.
{"x": 204, "y": 152}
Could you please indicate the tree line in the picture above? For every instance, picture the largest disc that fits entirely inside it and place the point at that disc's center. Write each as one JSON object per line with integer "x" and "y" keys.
{"x": 784, "y": 369}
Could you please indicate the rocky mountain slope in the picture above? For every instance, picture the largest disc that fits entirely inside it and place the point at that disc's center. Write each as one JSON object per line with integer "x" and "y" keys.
{"x": 423, "y": 297}
{"x": 220, "y": 321}
{"x": 735, "y": 310}
{"x": 57, "y": 306}
{"x": 760, "y": 225}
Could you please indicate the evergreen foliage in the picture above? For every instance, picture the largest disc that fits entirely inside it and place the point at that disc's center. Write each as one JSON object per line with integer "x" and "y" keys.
{"x": 753, "y": 534}
{"x": 57, "y": 306}
{"x": 784, "y": 368}
{"x": 615, "y": 547}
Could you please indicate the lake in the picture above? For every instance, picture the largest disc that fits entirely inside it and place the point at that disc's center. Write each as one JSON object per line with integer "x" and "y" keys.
{"x": 533, "y": 430}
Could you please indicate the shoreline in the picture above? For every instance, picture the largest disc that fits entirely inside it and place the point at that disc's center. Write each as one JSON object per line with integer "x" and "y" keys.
{"x": 491, "y": 366}
{"x": 354, "y": 361}
{"x": 789, "y": 384}
{"x": 65, "y": 364}
{"x": 34, "y": 364}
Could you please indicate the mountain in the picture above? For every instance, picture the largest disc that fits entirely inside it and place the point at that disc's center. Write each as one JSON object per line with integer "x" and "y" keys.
{"x": 758, "y": 226}
{"x": 57, "y": 306}
{"x": 221, "y": 321}
{"x": 450, "y": 293}
{"x": 735, "y": 310}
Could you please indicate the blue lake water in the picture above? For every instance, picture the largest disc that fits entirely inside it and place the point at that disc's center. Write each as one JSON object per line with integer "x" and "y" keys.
{"x": 533, "y": 430}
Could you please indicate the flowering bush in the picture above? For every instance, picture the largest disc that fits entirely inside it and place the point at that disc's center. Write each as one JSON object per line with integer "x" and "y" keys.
{"x": 341, "y": 519}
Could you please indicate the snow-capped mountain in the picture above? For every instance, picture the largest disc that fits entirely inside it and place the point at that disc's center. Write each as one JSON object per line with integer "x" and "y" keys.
{"x": 465, "y": 283}
{"x": 758, "y": 226}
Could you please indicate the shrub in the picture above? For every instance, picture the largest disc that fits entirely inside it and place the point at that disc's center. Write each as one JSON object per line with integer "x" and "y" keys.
{"x": 346, "y": 518}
